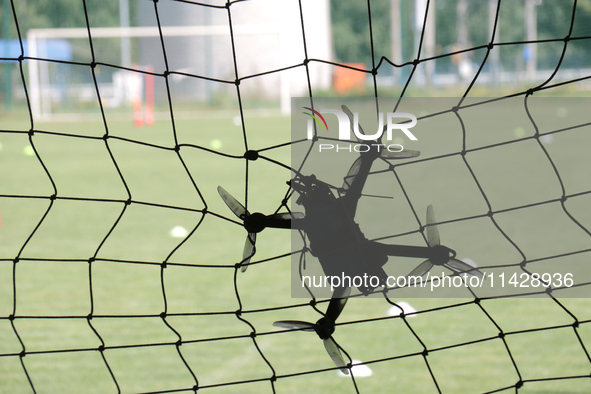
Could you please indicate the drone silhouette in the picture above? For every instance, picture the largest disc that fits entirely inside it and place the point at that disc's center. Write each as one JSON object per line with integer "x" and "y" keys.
{"x": 338, "y": 242}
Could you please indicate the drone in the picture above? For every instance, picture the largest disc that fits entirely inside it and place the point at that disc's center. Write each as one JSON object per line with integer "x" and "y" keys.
{"x": 338, "y": 242}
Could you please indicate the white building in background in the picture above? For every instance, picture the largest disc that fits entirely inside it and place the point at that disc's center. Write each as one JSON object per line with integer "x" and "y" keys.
{"x": 268, "y": 36}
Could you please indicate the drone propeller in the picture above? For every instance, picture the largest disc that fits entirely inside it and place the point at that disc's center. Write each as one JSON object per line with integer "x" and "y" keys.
{"x": 288, "y": 215}
{"x": 324, "y": 327}
{"x": 232, "y": 203}
{"x": 432, "y": 231}
{"x": 351, "y": 174}
{"x": 441, "y": 254}
{"x": 240, "y": 211}
{"x": 255, "y": 223}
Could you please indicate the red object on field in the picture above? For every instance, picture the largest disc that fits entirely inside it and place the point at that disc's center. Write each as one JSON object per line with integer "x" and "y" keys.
{"x": 138, "y": 116}
{"x": 149, "y": 94}
{"x": 136, "y": 80}
{"x": 346, "y": 80}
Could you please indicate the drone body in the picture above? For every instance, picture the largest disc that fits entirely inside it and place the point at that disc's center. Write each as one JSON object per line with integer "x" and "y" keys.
{"x": 338, "y": 242}
{"x": 335, "y": 238}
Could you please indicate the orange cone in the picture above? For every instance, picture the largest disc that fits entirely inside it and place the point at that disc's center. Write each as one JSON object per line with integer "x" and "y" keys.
{"x": 149, "y": 94}
{"x": 136, "y": 98}
{"x": 138, "y": 116}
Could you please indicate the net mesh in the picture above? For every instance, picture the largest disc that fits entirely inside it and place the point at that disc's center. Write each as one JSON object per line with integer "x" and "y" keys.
{"x": 97, "y": 295}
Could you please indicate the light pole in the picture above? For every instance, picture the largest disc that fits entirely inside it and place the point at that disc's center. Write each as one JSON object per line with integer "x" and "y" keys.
{"x": 530, "y": 54}
{"x": 7, "y": 65}
{"x": 125, "y": 41}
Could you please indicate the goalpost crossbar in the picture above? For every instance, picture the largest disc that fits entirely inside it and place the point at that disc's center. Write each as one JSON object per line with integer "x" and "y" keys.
{"x": 40, "y": 105}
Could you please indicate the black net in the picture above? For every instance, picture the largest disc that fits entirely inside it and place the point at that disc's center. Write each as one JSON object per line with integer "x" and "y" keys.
{"x": 120, "y": 265}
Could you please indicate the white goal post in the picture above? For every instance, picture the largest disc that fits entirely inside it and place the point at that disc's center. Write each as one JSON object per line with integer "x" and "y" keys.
{"x": 38, "y": 79}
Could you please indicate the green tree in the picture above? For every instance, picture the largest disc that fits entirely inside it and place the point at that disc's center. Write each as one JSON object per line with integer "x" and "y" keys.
{"x": 36, "y": 14}
{"x": 351, "y": 32}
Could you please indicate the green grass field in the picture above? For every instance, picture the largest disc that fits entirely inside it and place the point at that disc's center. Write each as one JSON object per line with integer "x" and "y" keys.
{"x": 53, "y": 280}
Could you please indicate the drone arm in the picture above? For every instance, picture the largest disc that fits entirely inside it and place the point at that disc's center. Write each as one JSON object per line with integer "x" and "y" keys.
{"x": 294, "y": 224}
{"x": 286, "y": 220}
{"x": 275, "y": 222}
{"x": 337, "y": 303}
{"x": 297, "y": 224}
{"x": 404, "y": 250}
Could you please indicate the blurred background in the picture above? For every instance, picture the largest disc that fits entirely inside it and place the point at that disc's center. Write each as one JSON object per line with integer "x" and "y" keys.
{"x": 119, "y": 261}
{"x": 269, "y": 42}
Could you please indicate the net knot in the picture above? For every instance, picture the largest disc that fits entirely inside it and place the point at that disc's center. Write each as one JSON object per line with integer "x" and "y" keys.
{"x": 251, "y": 155}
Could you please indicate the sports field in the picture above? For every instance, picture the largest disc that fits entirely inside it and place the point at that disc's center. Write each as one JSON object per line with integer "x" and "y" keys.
{"x": 73, "y": 318}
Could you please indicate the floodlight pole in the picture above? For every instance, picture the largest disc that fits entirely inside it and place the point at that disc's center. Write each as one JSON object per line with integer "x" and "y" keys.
{"x": 7, "y": 65}
{"x": 125, "y": 40}
{"x": 531, "y": 34}
{"x": 430, "y": 42}
{"x": 424, "y": 8}
{"x": 419, "y": 8}
{"x": 396, "y": 34}
{"x": 495, "y": 52}
{"x": 461, "y": 26}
